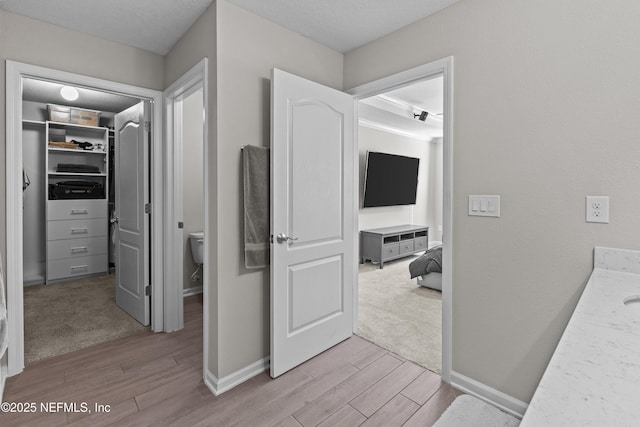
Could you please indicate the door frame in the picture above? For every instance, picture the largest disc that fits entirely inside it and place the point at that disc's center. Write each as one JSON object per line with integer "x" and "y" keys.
{"x": 15, "y": 71}
{"x": 442, "y": 67}
{"x": 194, "y": 79}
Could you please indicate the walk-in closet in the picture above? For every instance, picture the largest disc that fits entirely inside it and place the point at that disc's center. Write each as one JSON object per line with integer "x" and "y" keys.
{"x": 69, "y": 217}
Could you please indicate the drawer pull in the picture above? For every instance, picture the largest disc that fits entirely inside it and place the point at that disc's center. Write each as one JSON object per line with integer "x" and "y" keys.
{"x": 79, "y": 211}
{"x": 84, "y": 230}
{"x": 78, "y": 267}
{"x": 79, "y": 249}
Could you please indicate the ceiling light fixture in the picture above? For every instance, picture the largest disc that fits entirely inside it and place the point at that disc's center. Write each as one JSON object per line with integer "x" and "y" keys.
{"x": 69, "y": 93}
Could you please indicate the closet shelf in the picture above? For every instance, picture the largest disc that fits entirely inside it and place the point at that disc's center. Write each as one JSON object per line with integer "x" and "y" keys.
{"x": 73, "y": 125}
{"x": 73, "y": 150}
{"x": 75, "y": 174}
{"x": 32, "y": 122}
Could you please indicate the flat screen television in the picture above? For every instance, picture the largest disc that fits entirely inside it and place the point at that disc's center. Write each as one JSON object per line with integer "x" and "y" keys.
{"x": 390, "y": 180}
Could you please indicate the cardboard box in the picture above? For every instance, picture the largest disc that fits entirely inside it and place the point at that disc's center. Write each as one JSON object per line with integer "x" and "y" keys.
{"x": 77, "y": 116}
{"x": 59, "y": 113}
{"x": 85, "y": 117}
{"x": 57, "y": 135}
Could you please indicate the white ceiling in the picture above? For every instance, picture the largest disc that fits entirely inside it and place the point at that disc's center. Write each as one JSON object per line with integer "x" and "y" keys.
{"x": 394, "y": 110}
{"x": 156, "y": 25}
{"x": 427, "y": 95}
{"x": 49, "y": 93}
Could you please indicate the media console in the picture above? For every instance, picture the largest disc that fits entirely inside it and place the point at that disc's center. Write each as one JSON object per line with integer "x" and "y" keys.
{"x": 386, "y": 244}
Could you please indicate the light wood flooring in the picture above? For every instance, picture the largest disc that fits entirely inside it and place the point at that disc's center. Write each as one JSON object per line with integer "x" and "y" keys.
{"x": 156, "y": 379}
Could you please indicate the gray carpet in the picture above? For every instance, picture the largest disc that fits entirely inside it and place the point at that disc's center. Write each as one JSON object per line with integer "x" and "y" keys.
{"x": 399, "y": 315}
{"x": 68, "y": 316}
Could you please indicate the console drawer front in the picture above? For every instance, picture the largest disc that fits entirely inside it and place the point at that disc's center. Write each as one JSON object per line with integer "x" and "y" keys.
{"x": 390, "y": 251}
{"x": 420, "y": 243}
{"x": 76, "y": 209}
{"x": 406, "y": 246}
{"x": 76, "y": 228}
{"x": 79, "y": 266}
{"x": 71, "y": 248}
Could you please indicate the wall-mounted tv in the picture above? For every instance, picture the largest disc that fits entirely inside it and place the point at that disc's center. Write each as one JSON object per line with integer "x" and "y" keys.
{"x": 390, "y": 180}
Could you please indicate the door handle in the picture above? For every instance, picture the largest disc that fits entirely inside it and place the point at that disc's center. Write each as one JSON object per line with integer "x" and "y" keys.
{"x": 114, "y": 220}
{"x": 281, "y": 238}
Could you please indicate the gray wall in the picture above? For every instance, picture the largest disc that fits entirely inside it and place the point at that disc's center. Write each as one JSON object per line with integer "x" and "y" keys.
{"x": 248, "y": 48}
{"x": 26, "y": 40}
{"x": 370, "y": 139}
{"x": 33, "y": 159}
{"x": 435, "y": 192}
{"x": 546, "y": 102}
{"x": 242, "y": 48}
{"x": 193, "y": 180}
{"x": 197, "y": 43}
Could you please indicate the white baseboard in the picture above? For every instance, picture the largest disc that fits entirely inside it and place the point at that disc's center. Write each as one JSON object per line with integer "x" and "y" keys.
{"x": 187, "y": 292}
{"x": 507, "y": 403}
{"x": 219, "y": 386}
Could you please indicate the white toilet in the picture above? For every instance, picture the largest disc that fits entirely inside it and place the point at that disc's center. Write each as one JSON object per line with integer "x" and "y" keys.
{"x": 197, "y": 253}
{"x": 197, "y": 247}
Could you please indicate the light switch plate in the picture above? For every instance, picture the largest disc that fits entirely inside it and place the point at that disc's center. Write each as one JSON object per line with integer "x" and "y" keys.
{"x": 597, "y": 209}
{"x": 484, "y": 206}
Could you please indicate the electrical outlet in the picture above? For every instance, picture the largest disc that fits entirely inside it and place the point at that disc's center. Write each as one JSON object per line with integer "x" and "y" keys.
{"x": 597, "y": 209}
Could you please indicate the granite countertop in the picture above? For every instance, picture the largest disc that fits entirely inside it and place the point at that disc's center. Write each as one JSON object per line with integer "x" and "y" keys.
{"x": 593, "y": 377}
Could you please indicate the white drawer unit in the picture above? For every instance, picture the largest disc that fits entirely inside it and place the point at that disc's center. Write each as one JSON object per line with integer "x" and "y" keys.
{"x": 77, "y": 221}
{"x": 76, "y": 247}
{"x": 73, "y": 267}
{"x": 76, "y": 209}
{"x": 70, "y": 248}
{"x": 76, "y": 229}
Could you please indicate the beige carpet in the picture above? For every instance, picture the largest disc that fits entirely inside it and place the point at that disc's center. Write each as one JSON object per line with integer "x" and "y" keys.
{"x": 68, "y": 316}
{"x": 399, "y": 315}
{"x": 469, "y": 411}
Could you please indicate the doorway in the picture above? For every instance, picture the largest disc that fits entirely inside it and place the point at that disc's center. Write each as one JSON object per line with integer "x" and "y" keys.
{"x": 187, "y": 197}
{"x": 289, "y": 90}
{"x": 191, "y": 126}
{"x": 71, "y": 180}
{"x": 401, "y": 204}
{"x": 443, "y": 68}
{"x": 16, "y": 75}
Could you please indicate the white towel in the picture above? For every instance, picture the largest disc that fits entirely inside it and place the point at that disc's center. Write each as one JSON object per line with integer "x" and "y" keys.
{"x": 4, "y": 333}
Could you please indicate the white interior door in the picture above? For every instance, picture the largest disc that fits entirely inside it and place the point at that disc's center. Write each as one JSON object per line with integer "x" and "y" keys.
{"x": 131, "y": 195}
{"x": 312, "y": 208}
